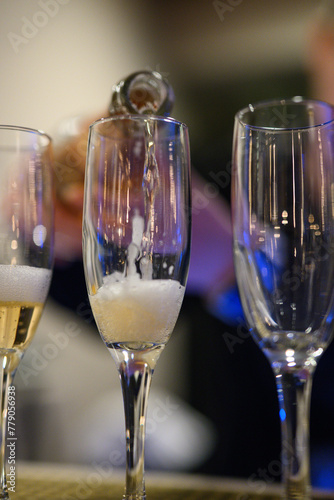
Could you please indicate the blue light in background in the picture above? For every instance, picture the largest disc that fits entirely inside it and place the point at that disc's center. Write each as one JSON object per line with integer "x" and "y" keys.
{"x": 246, "y": 238}
{"x": 282, "y": 414}
{"x": 322, "y": 466}
{"x": 227, "y": 307}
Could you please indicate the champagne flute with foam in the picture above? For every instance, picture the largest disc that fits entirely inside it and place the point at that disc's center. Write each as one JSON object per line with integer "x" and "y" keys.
{"x": 136, "y": 238}
{"x": 26, "y": 256}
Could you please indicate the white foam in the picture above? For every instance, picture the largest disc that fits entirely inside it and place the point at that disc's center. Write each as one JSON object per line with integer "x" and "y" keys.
{"x": 134, "y": 309}
{"x": 24, "y": 283}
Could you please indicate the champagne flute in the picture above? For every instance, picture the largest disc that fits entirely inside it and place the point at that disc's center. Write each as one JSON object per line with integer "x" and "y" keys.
{"x": 283, "y": 221}
{"x": 136, "y": 239}
{"x": 26, "y": 256}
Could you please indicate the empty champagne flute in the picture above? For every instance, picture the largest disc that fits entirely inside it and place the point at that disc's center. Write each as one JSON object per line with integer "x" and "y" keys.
{"x": 136, "y": 243}
{"x": 283, "y": 222}
{"x": 26, "y": 258}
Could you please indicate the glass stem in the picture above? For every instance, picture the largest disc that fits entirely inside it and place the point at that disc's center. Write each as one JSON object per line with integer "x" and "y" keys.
{"x": 136, "y": 370}
{"x": 294, "y": 391}
{"x": 6, "y": 378}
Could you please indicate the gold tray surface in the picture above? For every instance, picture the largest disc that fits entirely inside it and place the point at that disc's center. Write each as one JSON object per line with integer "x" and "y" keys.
{"x": 55, "y": 483}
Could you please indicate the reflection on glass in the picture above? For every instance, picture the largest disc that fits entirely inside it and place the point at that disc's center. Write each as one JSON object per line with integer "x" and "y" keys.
{"x": 283, "y": 222}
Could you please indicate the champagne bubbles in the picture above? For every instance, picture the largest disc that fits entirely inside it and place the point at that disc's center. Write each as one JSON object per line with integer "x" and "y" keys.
{"x": 24, "y": 283}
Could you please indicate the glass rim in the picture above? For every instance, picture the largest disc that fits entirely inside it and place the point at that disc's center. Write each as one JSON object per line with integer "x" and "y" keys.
{"x": 30, "y": 130}
{"x": 138, "y": 118}
{"x": 297, "y": 100}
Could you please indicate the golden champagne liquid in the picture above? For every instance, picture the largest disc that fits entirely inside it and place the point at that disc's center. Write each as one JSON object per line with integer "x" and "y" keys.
{"x": 18, "y": 323}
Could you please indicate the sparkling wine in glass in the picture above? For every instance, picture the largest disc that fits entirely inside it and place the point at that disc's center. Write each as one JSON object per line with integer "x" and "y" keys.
{"x": 136, "y": 239}
{"x": 283, "y": 221}
{"x": 26, "y": 257}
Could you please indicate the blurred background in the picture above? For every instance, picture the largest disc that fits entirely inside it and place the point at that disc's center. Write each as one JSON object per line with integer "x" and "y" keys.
{"x": 59, "y": 60}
